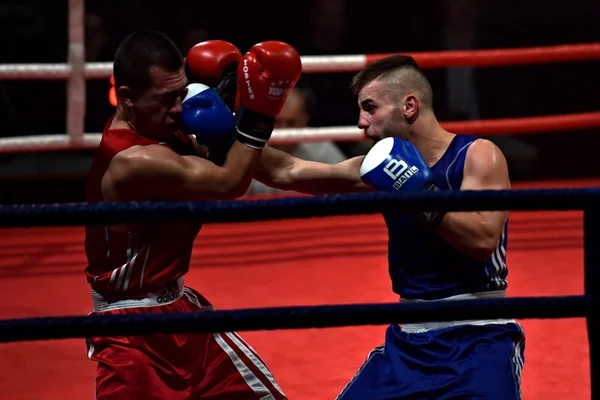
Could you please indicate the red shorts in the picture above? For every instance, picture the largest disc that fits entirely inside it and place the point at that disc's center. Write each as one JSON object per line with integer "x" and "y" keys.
{"x": 181, "y": 366}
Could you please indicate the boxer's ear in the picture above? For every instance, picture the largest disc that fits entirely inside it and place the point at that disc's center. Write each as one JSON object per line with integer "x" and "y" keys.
{"x": 125, "y": 96}
{"x": 410, "y": 108}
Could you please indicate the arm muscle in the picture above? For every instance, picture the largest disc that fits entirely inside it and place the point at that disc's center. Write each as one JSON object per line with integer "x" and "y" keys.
{"x": 157, "y": 172}
{"x": 478, "y": 233}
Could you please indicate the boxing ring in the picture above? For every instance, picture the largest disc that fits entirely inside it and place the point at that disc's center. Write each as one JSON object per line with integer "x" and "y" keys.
{"x": 296, "y": 275}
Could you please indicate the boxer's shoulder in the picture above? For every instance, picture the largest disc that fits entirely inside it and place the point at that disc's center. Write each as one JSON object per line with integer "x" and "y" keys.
{"x": 141, "y": 156}
{"x": 138, "y": 164}
{"x": 484, "y": 157}
{"x": 482, "y": 147}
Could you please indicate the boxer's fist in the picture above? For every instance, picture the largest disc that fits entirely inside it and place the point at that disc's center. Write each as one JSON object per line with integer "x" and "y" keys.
{"x": 268, "y": 71}
{"x": 214, "y": 63}
{"x": 205, "y": 115}
{"x": 208, "y": 61}
{"x": 266, "y": 74}
{"x": 395, "y": 164}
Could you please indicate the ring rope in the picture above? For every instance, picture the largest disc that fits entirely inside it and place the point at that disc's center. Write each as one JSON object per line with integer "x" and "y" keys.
{"x": 253, "y": 319}
{"x": 77, "y": 214}
{"x": 349, "y": 63}
{"x": 490, "y": 127}
{"x": 503, "y": 57}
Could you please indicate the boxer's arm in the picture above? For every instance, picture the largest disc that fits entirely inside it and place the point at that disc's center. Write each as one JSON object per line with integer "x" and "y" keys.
{"x": 280, "y": 170}
{"x": 158, "y": 172}
{"x": 477, "y": 233}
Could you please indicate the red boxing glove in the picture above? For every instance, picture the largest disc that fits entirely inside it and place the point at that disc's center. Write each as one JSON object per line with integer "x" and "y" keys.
{"x": 266, "y": 74}
{"x": 214, "y": 64}
{"x": 207, "y": 61}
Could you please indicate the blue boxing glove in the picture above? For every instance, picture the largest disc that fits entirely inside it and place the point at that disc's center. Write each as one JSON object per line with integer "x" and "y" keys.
{"x": 205, "y": 115}
{"x": 394, "y": 164}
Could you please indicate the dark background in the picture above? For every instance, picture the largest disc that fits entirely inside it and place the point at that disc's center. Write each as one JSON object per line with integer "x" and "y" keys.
{"x": 36, "y": 31}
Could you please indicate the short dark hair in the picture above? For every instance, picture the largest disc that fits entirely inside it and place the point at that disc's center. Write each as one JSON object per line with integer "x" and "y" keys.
{"x": 138, "y": 53}
{"x": 392, "y": 68}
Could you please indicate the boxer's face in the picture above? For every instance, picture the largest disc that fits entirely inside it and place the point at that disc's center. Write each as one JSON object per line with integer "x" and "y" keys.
{"x": 157, "y": 110}
{"x": 381, "y": 115}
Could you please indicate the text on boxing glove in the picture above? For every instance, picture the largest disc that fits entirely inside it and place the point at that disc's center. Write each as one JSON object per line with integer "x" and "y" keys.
{"x": 399, "y": 171}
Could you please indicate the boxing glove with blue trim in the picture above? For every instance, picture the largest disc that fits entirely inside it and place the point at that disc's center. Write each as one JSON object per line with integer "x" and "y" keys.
{"x": 206, "y": 115}
{"x": 394, "y": 164}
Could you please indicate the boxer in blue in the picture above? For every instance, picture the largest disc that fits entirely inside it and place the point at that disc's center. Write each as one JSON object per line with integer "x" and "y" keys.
{"x": 435, "y": 256}
{"x": 432, "y": 256}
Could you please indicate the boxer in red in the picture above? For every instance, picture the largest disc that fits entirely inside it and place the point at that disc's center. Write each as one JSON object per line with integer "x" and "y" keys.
{"x": 140, "y": 268}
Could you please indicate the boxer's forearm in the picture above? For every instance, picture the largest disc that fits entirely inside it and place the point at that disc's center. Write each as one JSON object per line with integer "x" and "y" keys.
{"x": 317, "y": 178}
{"x": 285, "y": 172}
{"x": 473, "y": 233}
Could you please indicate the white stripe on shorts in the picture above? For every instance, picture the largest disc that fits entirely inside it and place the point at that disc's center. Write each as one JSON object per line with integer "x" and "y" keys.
{"x": 261, "y": 390}
{"x": 517, "y": 363}
{"x": 251, "y": 354}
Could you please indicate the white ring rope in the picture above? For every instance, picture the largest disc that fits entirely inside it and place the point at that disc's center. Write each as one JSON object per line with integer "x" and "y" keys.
{"x": 103, "y": 70}
{"x": 505, "y": 126}
{"x": 44, "y": 143}
{"x": 349, "y": 63}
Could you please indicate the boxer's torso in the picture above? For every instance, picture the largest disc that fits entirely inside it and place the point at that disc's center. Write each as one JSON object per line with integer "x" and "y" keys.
{"x": 133, "y": 259}
{"x": 422, "y": 265}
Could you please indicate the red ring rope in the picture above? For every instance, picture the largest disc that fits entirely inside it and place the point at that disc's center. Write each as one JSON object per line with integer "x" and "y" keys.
{"x": 507, "y": 126}
{"x": 502, "y": 57}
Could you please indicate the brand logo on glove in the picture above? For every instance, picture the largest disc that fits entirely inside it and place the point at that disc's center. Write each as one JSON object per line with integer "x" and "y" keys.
{"x": 279, "y": 89}
{"x": 399, "y": 171}
{"x": 246, "y": 76}
{"x": 276, "y": 92}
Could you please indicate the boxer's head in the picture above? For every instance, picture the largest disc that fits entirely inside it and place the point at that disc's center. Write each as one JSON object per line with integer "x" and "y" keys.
{"x": 393, "y": 93}
{"x": 149, "y": 81}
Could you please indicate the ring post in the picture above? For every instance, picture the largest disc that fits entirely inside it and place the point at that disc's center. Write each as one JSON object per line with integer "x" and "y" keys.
{"x": 76, "y": 82}
{"x": 591, "y": 235}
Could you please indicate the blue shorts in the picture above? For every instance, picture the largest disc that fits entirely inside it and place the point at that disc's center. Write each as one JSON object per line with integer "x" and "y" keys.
{"x": 460, "y": 362}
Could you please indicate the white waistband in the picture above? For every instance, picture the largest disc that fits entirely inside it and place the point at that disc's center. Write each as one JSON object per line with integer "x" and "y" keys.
{"x": 432, "y": 326}
{"x": 162, "y": 297}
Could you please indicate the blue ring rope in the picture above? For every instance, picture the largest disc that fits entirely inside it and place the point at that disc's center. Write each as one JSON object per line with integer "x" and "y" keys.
{"x": 293, "y": 317}
{"x": 77, "y": 214}
{"x": 323, "y": 316}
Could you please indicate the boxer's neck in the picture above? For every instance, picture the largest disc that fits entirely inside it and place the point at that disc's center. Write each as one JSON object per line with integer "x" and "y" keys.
{"x": 120, "y": 122}
{"x": 123, "y": 121}
{"x": 430, "y": 138}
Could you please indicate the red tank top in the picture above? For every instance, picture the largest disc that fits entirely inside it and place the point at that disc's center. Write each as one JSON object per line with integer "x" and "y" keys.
{"x": 146, "y": 257}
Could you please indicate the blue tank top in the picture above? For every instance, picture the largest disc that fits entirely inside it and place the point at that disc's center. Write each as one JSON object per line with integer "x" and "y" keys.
{"x": 422, "y": 265}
